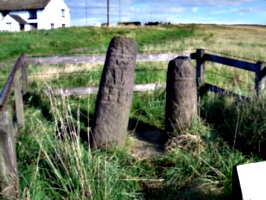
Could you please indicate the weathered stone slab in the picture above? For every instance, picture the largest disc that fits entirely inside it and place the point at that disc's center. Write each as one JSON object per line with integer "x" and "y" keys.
{"x": 249, "y": 181}
{"x": 181, "y": 95}
{"x": 115, "y": 93}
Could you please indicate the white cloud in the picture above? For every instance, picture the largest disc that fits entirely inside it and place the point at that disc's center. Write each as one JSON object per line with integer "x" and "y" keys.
{"x": 195, "y": 9}
{"x": 219, "y": 12}
{"x": 158, "y": 10}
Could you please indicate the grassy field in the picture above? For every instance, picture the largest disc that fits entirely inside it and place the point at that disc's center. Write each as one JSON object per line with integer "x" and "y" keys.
{"x": 197, "y": 164}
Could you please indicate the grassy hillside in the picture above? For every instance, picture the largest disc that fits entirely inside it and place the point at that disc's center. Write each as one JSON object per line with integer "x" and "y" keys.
{"x": 85, "y": 40}
{"x": 244, "y": 41}
{"x": 197, "y": 164}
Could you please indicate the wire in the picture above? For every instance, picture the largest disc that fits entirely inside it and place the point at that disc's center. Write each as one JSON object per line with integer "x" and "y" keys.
{"x": 232, "y": 56}
{"x": 227, "y": 77}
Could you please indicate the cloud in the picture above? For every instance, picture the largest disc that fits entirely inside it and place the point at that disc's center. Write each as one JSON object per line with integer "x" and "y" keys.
{"x": 219, "y": 12}
{"x": 95, "y": 11}
{"x": 196, "y": 3}
{"x": 195, "y": 9}
{"x": 252, "y": 9}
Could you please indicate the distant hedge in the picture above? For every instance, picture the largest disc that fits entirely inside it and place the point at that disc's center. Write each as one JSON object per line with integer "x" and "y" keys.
{"x": 129, "y": 23}
{"x": 156, "y": 23}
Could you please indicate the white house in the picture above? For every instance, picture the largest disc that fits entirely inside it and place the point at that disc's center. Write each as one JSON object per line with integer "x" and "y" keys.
{"x": 13, "y": 23}
{"x": 22, "y": 15}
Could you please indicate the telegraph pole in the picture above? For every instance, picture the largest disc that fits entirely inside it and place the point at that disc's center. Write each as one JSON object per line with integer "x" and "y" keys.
{"x": 107, "y": 13}
{"x": 119, "y": 10}
{"x": 86, "y": 12}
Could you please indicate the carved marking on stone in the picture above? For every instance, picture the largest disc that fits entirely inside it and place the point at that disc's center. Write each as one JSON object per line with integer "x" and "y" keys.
{"x": 115, "y": 93}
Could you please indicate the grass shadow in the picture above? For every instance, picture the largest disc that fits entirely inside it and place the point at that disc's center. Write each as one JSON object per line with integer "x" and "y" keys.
{"x": 240, "y": 124}
{"x": 172, "y": 193}
{"x": 147, "y": 132}
{"x": 35, "y": 100}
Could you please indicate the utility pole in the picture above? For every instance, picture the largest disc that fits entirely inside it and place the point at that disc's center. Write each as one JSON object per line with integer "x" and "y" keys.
{"x": 107, "y": 13}
{"x": 119, "y": 10}
{"x": 86, "y": 12}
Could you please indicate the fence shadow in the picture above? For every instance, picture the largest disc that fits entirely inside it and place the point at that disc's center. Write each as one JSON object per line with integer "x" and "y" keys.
{"x": 35, "y": 100}
{"x": 172, "y": 193}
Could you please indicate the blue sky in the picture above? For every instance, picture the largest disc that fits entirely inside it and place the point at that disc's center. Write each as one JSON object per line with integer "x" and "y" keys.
{"x": 93, "y": 12}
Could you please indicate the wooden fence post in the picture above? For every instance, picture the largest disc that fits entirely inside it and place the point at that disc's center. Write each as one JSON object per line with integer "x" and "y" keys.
{"x": 8, "y": 160}
{"x": 200, "y": 69}
{"x": 24, "y": 75}
{"x": 259, "y": 79}
{"x": 19, "y": 102}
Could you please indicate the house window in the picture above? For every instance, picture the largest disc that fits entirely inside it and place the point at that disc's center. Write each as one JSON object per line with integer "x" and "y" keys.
{"x": 63, "y": 25}
{"x": 22, "y": 27}
{"x": 33, "y": 26}
{"x": 63, "y": 12}
{"x": 9, "y": 23}
{"x": 32, "y": 14}
{"x": 52, "y": 25}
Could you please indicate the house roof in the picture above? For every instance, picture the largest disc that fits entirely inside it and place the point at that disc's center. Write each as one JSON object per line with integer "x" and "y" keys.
{"x": 18, "y": 19}
{"x": 8, "y": 5}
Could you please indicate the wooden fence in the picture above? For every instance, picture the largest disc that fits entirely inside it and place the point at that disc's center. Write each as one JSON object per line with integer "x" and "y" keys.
{"x": 259, "y": 68}
{"x": 9, "y": 127}
{"x": 18, "y": 83}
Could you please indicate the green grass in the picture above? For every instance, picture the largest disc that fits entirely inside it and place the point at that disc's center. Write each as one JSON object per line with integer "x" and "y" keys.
{"x": 84, "y": 40}
{"x": 197, "y": 163}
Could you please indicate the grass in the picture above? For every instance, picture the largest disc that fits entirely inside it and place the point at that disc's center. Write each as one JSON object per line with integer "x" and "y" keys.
{"x": 84, "y": 40}
{"x": 197, "y": 164}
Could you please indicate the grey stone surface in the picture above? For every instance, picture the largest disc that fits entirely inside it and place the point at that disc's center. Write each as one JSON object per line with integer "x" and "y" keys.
{"x": 115, "y": 94}
{"x": 181, "y": 95}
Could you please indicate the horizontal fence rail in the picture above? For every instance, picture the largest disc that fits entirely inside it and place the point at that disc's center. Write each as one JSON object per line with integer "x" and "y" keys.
{"x": 98, "y": 59}
{"x": 9, "y": 83}
{"x": 259, "y": 68}
{"x": 94, "y": 90}
{"x": 230, "y": 62}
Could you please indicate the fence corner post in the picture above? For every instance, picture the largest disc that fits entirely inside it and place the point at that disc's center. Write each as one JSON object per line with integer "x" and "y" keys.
{"x": 19, "y": 102}
{"x": 24, "y": 75}
{"x": 200, "y": 68}
{"x": 8, "y": 171}
{"x": 260, "y": 77}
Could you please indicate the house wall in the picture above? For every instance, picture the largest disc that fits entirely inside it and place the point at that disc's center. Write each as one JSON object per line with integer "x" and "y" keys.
{"x": 52, "y": 14}
{"x": 9, "y": 24}
{"x": 24, "y": 15}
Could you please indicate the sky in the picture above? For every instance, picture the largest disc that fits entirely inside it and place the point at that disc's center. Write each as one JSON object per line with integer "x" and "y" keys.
{"x": 94, "y": 12}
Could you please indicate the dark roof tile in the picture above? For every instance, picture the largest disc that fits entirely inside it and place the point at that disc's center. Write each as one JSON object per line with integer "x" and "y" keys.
{"x": 18, "y": 19}
{"x": 9, "y": 5}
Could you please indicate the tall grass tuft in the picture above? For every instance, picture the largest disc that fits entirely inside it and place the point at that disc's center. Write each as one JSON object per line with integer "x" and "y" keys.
{"x": 242, "y": 125}
{"x": 61, "y": 167}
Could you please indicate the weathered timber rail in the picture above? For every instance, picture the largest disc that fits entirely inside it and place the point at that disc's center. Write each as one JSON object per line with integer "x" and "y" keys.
{"x": 8, "y": 130}
{"x": 96, "y": 59}
{"x": 94, "y": 90}
{"x": 259, "y": 68}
